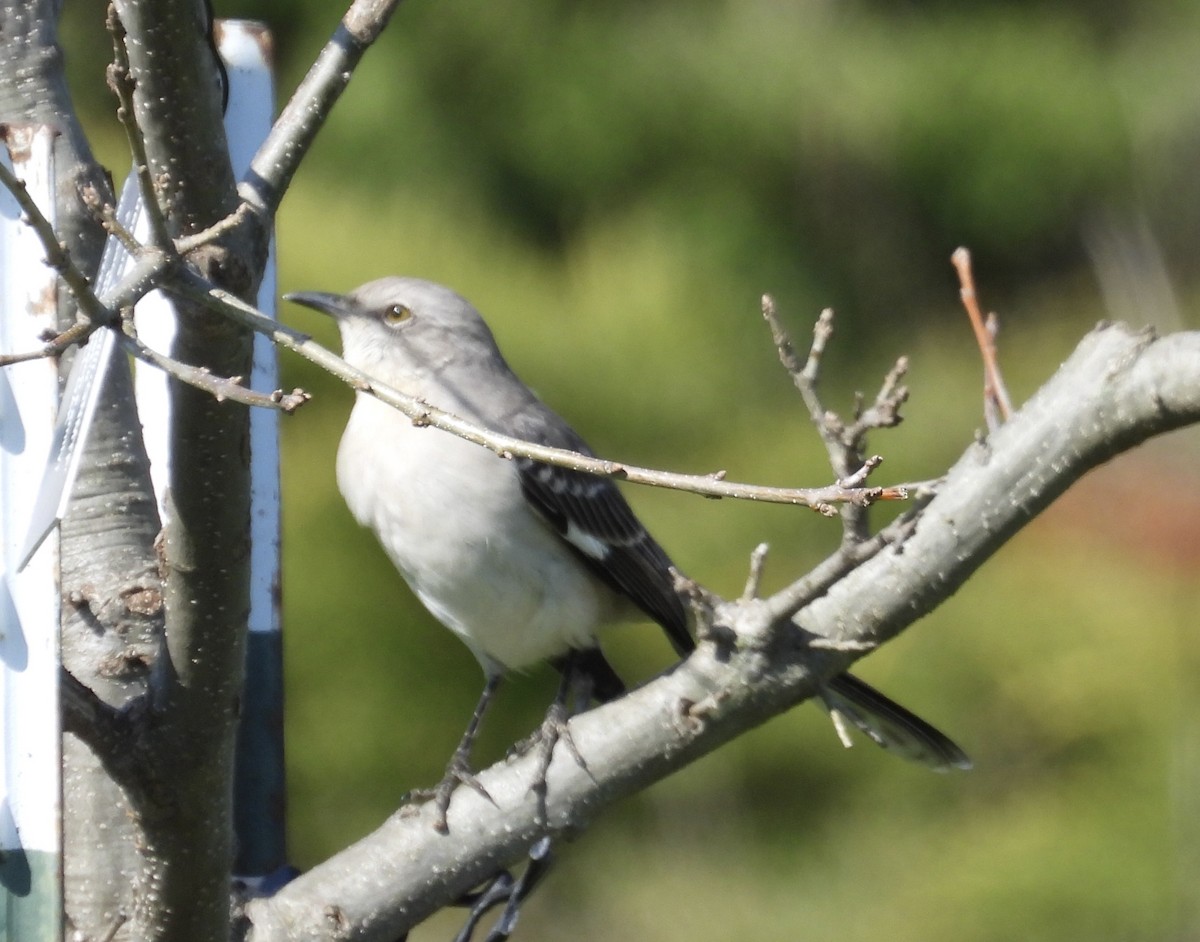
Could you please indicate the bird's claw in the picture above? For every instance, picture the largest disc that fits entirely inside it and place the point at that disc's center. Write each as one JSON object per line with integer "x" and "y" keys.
{"x": 504, "y": 888}
{"x": 458, "y": 772}
{"x": 554, "y": 729}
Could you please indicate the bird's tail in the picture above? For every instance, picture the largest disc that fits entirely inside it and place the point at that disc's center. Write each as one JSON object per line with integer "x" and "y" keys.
{"x": 888, "y": 724}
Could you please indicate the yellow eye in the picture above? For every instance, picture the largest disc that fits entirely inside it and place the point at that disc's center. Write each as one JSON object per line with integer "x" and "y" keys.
{"x": 396, "y": 314}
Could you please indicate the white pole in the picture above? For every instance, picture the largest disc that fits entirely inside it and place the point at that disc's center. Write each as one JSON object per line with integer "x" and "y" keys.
{"x": 246, "y": 49}
{"x": 30, "y": 760}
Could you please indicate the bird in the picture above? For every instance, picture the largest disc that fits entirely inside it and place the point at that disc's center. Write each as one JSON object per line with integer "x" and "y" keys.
{"x": 523, "y": 560}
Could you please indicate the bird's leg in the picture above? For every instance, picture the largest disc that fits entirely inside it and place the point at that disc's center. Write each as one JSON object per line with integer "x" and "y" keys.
{"x": 576, "y": 686}
{"x": 458, "y": 770}
{"x": 504, "y": 889}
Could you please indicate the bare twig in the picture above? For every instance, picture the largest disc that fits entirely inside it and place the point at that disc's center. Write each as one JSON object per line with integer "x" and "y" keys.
{"x": 122, "y": 86}
{"x": 220, "y": 387}
{"x": 788, "y": 601}
{"x": 822, "y": 331}
{"x": 858, "y": 477}
{"x": 822, "y": 499}
{"x": 57, "y": 256}
{"x": 885, "y": 411}
{"x": 77, "y": 333}
{"x": 8, "y": 359}
{"x": 106, "y": 214}
{"x": 806, "y": 377}
{"x": 843, "y": 442}
{"x": 995, "y": 394}
{"x": 758, "y": 561}
{"x": 189, "y": 243}
{"x": 151, "y": 268}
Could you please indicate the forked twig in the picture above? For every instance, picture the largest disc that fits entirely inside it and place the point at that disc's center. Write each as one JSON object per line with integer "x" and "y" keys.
{"x": 844, "y": 442}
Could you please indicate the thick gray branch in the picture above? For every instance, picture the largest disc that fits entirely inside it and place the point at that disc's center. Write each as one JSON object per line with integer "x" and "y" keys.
{"x": 177, "y": 99}
{"x": 1117, "y": 389}
{"x": 185, "y": 838}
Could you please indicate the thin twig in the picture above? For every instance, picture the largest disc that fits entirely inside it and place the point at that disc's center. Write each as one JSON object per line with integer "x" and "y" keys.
{"x": 995, "y": 394}
{"x": 219, "y": 228}
{"x": 885, "y": 411}
{"x": 106, "y": 214}
{"x": 77, "y": 333}
{"x": 151, "y": 266}
{"x": 805, "y": 378}
{"x": 822, "y": 331}
{"x": 788, "y": 601}
{"x": 8, "y": 359}
{"x": 122, "y": 86}
{"x": 858, "y": 477}
{"x": 843, "y": 444}
{"x": 758, "y": 561}
{"x": 843, "y": 455}
{"x": 220, "y": 387}
{"x": 57, "y": 256}
{"x": 824, "y": 500}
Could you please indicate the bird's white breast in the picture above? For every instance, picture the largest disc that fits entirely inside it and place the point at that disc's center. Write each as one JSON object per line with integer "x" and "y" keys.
{"x": 452, "y": 519}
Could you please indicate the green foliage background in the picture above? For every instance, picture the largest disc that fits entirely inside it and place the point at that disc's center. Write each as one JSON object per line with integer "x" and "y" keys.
{"x": 615, "y": 184}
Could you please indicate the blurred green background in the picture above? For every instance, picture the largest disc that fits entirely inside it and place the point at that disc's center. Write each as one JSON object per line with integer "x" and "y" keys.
{"x": 615, "y": 184}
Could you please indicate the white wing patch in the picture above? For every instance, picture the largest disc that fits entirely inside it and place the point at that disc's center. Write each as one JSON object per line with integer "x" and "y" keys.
{"x": 587, "y": 544}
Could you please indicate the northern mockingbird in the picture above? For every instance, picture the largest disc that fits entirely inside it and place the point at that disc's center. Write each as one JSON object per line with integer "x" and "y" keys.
{"x": 524, "y": 561}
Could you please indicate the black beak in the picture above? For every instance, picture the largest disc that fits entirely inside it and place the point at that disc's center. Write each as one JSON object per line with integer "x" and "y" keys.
{"x": 335, "y": 305}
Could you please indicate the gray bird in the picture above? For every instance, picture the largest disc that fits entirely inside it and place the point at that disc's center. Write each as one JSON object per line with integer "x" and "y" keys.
{"x": 524, "y": 561}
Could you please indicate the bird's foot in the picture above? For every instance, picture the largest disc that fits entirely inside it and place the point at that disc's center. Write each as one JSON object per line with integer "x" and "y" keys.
{"x": 458, "y": 772}
{"x": 504, "y": 888}
{"x": 554, "y": 729}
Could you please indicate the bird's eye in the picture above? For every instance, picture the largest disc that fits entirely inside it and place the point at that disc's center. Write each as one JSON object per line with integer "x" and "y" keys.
{"x": 396, "y": 314}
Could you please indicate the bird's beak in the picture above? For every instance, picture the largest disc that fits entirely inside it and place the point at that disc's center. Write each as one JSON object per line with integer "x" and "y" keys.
{"x": 335, "y": 305}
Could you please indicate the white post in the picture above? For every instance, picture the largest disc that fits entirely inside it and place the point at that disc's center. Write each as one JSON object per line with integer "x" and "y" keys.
{"x": 246, "y": 49}
{"x": 30, "y": 760}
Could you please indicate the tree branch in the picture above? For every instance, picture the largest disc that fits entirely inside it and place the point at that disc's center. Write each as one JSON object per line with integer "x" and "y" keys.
{"x": 219, "y": 387}
{"x": 107, "y": 558}
{"x": 57, "y": 255}
{"x": 278, "y": 158}
{"x": 120, "y": 81}
{"x": 844, "y": 442}
{"x": 1116, "y": 390}
{"x": 820, "y": 499}
{"x": 185, "y": 825}
{"x": 997, "y": 406}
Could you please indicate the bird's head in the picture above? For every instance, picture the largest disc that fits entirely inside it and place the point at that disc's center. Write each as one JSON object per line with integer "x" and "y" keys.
{"x": 400, "y": 330}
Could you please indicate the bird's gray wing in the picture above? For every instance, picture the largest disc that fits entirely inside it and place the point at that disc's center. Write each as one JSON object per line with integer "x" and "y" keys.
{"x": 592, "y": 516}
{"x": 590, "y": 513}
